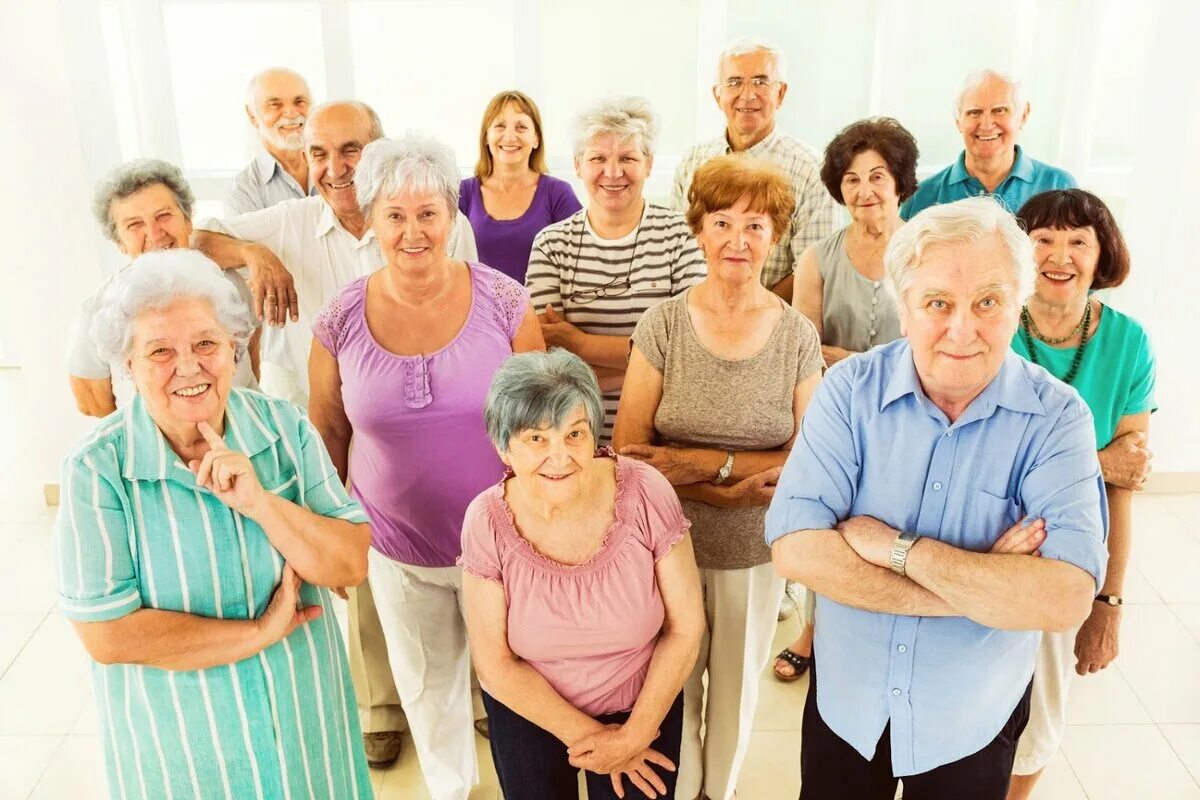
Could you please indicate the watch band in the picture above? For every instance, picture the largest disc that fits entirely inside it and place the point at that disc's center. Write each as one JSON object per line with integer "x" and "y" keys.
{"x": 725, "y": 471}
{"x": 1110, "y": 599}
{"x": 900, "y": 548}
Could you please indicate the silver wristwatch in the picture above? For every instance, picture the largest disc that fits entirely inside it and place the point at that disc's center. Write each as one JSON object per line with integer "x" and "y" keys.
{"x": 725, "y": 471}
{"x": 900, "y": 548}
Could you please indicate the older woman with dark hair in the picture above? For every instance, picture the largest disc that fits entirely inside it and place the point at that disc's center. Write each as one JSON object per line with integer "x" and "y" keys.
{"x": 594, "y": 274}
{"x": 582, "y": 601}
{"x": 200, "y": 527}
{"x": 511, "y": 196}
{"x": 870, "y": 168}
{"x": 402, "y": 360}
{"x": 1107, "y": 357}
{"x": 718, "y": 381}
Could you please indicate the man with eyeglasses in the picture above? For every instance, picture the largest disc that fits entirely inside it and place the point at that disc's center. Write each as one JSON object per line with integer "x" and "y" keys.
{"x": 750, "y": 89}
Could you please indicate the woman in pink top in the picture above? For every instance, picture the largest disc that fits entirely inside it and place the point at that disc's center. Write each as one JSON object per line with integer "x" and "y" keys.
{"x": 582, "y": 597}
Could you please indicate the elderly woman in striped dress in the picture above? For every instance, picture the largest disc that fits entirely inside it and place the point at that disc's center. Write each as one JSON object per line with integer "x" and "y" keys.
{"x": 201, "y": 525}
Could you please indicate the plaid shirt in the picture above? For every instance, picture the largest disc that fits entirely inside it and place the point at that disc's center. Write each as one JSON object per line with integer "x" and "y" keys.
{"x": 815, "y": 217}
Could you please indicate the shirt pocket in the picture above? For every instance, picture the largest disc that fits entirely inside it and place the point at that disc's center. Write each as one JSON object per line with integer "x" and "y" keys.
{"x": 991, "y": 516}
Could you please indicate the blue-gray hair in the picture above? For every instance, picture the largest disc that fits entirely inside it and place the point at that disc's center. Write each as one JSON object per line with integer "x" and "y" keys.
{"x": 133, "y": 176}
{"x": 416, "y": 162}
{"x": 536, "y": 389}
{"x": 156, "y": 280}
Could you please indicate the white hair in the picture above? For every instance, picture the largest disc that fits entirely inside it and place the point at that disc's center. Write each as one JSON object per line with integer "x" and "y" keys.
{"x": 968, "y": 220}
{"x": 745, "y": 45}
{"x": 416, "y": 162}
{"x": 621, "y": 117}
{"x": 977, "y": 78}
{"x": 252, "y": 85}
{"x": 157, "y": 279}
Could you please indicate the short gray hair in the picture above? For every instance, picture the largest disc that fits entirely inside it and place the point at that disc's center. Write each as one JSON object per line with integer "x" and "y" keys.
{"x": 622, "y": 117}
{"x": 977, "y": 78}
{"x": 374, "y": 124}
{"x": 130, "y": 178}
{"x": 416, "y": 162}
{"x": 536, "y": 389}
{"x": 157, "y": 279}
{"x": 966, "y": 220}
{"x": 745, "y": 45}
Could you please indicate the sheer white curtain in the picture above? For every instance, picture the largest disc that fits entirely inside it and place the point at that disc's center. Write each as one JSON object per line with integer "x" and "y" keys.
{"x": 99, "y": 82}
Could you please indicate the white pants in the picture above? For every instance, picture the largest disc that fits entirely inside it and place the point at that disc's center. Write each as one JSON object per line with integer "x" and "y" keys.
{"x": 740, "y": 610}
{"x": 420, "y": 609}
{"x": 1052, "y": 676}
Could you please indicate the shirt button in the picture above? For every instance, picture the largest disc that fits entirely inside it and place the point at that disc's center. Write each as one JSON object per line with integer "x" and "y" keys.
{"x": 872, "y": 316}
{"x": 876, "y": 284}
{"x": 874, "y": 300}
{"x": 896, "y": 692}
{"x": 872, "y": 331}
{"x": 902, "y": 649}
{"x": 937, "y": 486}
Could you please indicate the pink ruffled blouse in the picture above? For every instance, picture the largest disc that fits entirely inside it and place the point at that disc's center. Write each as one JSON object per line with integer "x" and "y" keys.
{"x": 588, "y": 629}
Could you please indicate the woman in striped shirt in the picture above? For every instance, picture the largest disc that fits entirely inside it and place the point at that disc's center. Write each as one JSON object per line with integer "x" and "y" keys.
{"x": 592, "y": 275}
{"x": 201, "y": 525}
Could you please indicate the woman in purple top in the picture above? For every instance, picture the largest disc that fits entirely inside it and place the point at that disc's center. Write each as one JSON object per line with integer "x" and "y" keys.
{"x": 511, "y": 197}
{"x": 582, "y": 597}
{"x": 402, "y": 359}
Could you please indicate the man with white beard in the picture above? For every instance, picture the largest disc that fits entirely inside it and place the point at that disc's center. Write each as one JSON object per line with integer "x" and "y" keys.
{"x": 277, "y": 103}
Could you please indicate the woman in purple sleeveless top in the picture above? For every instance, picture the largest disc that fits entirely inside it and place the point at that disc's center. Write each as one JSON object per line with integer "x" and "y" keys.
{"x": 402, "y": 360}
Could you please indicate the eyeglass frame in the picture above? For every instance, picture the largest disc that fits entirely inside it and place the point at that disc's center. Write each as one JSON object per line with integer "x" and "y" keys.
{"x": 602, "y": 291}
{"x": 758, "y": 85}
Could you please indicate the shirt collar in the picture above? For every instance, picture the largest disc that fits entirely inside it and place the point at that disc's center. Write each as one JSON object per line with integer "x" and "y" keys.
{"x": 266, "y": 165}
{"x": 328, "y": 221}
{"x": 148, "y": 456}
{"x": 1011, "y": 388}
{"x": 1022, "y": 167}
{"x": 758, "y": 147}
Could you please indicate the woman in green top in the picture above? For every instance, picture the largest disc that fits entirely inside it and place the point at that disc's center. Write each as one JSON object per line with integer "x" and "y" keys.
{"x": 1106, "y": 356}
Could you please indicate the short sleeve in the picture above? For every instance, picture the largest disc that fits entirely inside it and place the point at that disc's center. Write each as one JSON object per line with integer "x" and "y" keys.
{"x": 563, "y": 202}
{"x": 815, "y": 217}
{"x": 83, "y": 360}
{"x": 651, "y": 336}
{"x": 238, "y": 279}
{"x": 97, "y": 576}
{"x": 324, "y": 493}
{"x": 480, "y": 554}
{"x": 510, "y": 301}
{"x": 660, "y": 516}
{"x": 678, "y": 187}
{"x": 239, "y": 200}
{"x": 465, "y": 194}
{"x": 462, "y": 240}
{"x": 331, "y": 323}
{"x": 811, "y": 361}
{"x": 689, "y": 267}
{"x": 543, "y": 277}
{"x": 1141, "y": 391}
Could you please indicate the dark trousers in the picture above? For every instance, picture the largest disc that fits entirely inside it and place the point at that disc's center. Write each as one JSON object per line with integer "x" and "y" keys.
{"x": 532, "y": 763}
{"x": 831, "y": 769}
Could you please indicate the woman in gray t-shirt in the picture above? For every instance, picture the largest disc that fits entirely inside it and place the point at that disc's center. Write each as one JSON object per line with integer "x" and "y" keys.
{"x": 717, "y": 382}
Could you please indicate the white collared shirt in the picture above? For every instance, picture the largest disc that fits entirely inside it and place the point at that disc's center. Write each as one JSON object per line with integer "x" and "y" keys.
{"x": 323, "y": 257}
{"x": 263, "y": 183}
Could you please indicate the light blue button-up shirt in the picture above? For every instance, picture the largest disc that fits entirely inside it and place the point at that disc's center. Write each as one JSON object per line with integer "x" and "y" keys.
{"x": 873, "y": 444}
{"x": 262, "y": 184}
{"x": 1027, "y": 178}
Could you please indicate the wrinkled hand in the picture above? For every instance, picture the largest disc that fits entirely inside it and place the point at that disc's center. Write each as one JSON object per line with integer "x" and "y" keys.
{"x": 759, "y": 488}
{"x": 274, "y": 290}
{"x": 605, "y": 750}
{"x": 282, "y": 616}
{"x": 1098, "y": 641}
{"x": 558, "y": 332}
{"x": 1126, "y": 461}
{"x": 1022, "y": 539}
{"x": 672, "y": 462}
{"x": 870, "y": 538}
{"x": 642, "y": 775}
{"x": 227, "y": 473}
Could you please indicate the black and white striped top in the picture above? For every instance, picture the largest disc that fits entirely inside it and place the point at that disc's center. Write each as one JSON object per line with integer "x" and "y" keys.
{"x": 584, "y": 277}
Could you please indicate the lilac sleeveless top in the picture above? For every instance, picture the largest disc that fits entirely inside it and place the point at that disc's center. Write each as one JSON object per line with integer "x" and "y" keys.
{"x": 421, "y": 451}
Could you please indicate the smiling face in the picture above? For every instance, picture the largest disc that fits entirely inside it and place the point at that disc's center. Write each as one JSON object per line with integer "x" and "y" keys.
{"x": 988, "y": 121}
{"x": 280, "y": 107}
{"x": 868, "y": 188}
{"x": 736, "y": 241}
{"x": 412, "y": 229}
{"x": 334, "y": 139}
{"x": 1066, "y": 263}
{"x": 149, "y": 219}
{"x": 750, "y": 108}
{"x": 182, "y": 363}
{"x": 550, "y": 462}
{"x": 511, "y": 136}
{"x": 614, "y": 172}
{"x": 959, "y": 313}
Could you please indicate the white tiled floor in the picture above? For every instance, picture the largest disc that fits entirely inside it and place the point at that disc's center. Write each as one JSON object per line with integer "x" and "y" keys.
{"x": 1133, "y": 734}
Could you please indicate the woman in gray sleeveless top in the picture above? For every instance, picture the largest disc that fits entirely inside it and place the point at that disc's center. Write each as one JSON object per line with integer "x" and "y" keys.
{"x": 870, "y": 168}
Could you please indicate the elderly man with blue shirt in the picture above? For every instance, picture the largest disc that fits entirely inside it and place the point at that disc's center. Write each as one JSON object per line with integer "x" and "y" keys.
{"x": 989, "y": 114}
{"x": 277, "y": 105}
{"x": 901, "y": 506}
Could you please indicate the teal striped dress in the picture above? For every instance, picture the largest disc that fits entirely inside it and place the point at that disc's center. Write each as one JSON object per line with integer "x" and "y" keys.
{"x": 134, "y": 531}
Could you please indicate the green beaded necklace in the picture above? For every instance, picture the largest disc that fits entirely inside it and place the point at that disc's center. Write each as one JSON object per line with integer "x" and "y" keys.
{"x": 1085, "y": 326}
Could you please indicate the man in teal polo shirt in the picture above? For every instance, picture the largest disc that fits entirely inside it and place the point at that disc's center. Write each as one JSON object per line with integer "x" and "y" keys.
{"x": 990, "y": 115}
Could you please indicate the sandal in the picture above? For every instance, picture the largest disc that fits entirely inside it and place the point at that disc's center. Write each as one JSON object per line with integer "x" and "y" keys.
{"x": 799, "y": 664}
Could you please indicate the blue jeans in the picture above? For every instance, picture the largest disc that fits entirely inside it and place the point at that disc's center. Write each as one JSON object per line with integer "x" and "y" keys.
{"x": 532, "y": 763}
